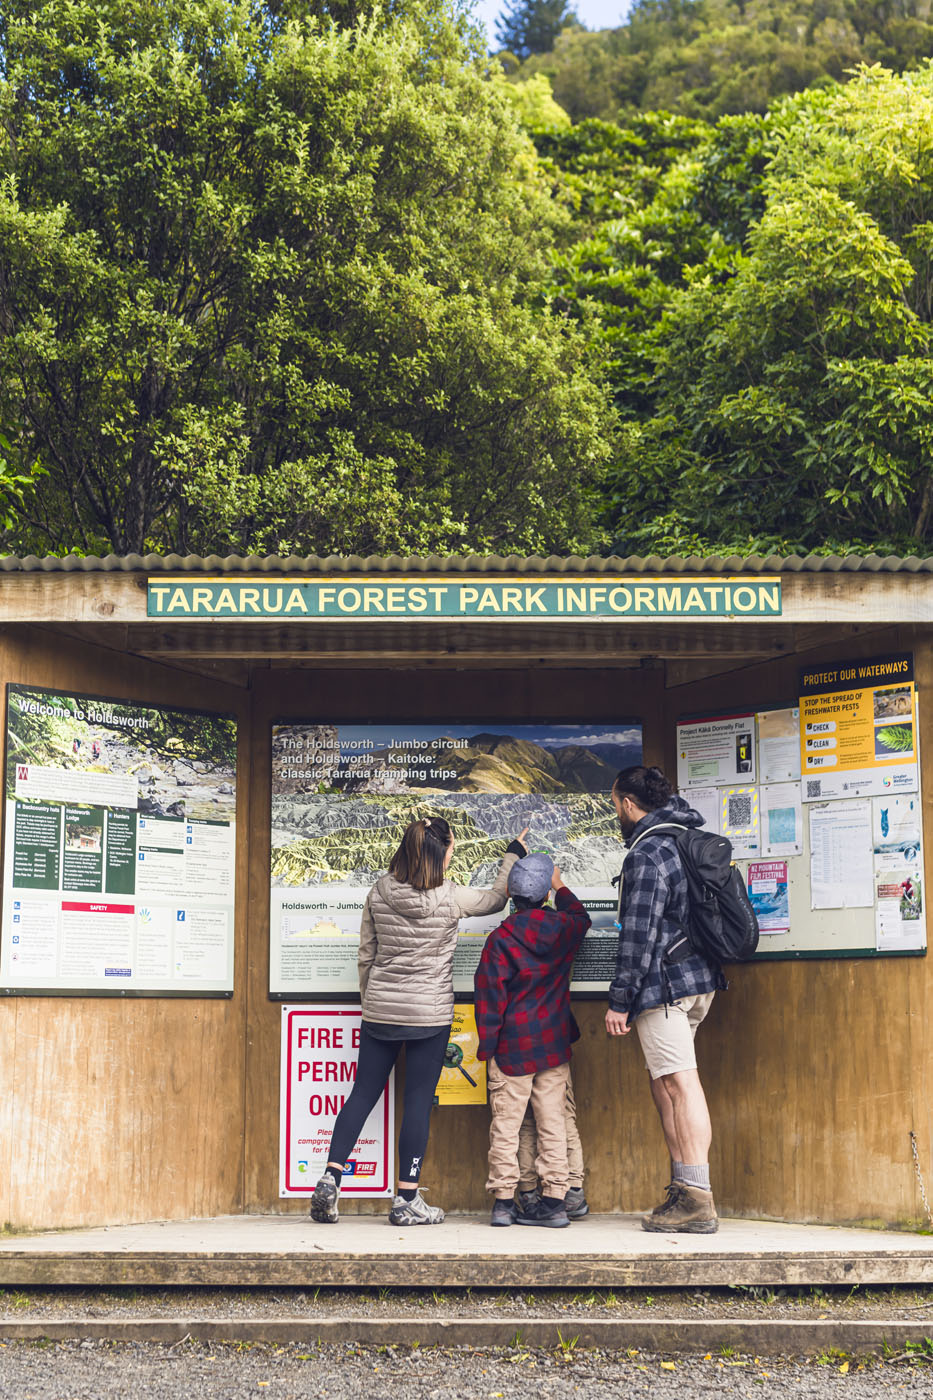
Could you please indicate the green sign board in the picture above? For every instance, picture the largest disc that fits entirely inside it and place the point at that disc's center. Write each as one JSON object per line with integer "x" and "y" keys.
{"x": 564, "y": 599}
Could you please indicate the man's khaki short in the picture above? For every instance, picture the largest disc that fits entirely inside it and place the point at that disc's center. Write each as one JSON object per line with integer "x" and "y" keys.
{"x": 666, "y": 1034}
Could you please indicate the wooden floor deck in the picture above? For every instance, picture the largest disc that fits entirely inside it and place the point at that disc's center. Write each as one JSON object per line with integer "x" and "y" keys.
{"x": 602, "y": 1251}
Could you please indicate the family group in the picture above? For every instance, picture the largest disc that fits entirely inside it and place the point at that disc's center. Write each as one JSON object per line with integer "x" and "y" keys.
{"x": 663, "y": 986}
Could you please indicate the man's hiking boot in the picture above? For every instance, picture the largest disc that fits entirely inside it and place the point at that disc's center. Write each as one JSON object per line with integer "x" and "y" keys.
{"x": 575, "y": 1203}
{"x": 690, "y": 1212}
{"x": 416, "y": 1212}
{"x": 503, "y": 1212}
{"x": 544, "y": 1213}
{"x": 324, "y": 1200}
{"x": 667, "y": 1202}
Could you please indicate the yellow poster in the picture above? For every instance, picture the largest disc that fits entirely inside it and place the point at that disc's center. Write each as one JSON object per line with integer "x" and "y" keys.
{"x": 858, "y": 729}
{"x": 463, "y": 1078}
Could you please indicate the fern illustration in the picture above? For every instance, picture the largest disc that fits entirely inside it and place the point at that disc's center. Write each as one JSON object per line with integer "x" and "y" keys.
{"x": 899, "y": 738}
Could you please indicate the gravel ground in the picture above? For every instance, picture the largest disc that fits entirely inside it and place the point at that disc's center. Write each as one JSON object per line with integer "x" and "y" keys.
{"x": 741, "y": 1302}
{"x": 92, "y": 1370}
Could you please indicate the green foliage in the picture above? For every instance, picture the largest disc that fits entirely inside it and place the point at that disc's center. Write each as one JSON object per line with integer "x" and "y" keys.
{"x": 271, "y": 284}
{"x": 707, "y": 58}
{"x": 531, "y": 26}
{"x": 787, "y": 377}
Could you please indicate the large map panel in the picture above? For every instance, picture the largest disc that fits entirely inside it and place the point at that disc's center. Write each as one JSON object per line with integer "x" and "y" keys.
{"x": 342, "y": 796}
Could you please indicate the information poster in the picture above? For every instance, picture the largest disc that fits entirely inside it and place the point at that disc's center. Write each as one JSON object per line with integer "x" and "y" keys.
{"x": 342, "y": 796}
{"x": 858, "y": 729}
{"x": 463, "y": 1077}
{"x": 740, "y": 821}
{"x": 840, "y": 855}
{"x": 119, "y": 846}
{"x": 899, "y": 910}
{"x": 767, "y": 890}
{"x": 716, "y": 752}
{"x": 779, "y": 745}
{"x": 320, "y": 1049}
{"x": 781, "y": 819}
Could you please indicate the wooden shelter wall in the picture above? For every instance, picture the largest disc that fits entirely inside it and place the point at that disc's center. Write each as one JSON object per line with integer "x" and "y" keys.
{"x": 115, "y": 1110}
{"x": 817, "y": 1071}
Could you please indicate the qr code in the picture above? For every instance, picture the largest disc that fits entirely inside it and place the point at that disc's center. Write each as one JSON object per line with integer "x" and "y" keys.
{"x": 740, "y": 809}
{"x": 814, "y": 787}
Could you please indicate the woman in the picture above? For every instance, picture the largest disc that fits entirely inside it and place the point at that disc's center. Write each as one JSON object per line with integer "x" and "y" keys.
{"x": 407, "y": 942}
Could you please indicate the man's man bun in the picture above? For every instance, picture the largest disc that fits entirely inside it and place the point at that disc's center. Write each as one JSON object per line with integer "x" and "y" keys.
{"x": 646, "y": 786}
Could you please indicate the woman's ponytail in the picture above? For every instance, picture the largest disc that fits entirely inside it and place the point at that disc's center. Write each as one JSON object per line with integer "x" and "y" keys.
{"x": 419, "y": 860}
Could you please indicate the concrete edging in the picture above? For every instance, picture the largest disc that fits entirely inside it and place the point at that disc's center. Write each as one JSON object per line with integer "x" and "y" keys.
{"x": 754, "y": 1337}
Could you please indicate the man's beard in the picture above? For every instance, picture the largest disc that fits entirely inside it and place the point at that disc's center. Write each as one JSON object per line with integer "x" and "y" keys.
{"x": 626, "y": 826}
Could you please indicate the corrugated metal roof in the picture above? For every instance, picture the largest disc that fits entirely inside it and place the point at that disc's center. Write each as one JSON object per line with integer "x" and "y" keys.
{"x": 467, "y": 564}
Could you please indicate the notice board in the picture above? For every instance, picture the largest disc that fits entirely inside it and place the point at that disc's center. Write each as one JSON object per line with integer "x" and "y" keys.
{"x": 119, "y": 847}
{"x": 342, "y": 796}
{"x": 826, "y": 817}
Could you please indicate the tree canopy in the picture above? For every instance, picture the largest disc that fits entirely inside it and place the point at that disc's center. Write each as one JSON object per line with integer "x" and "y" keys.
{"x": 269, "y": 283}
{"x": 532, "y": 26}
{"x": 709, "y": 58}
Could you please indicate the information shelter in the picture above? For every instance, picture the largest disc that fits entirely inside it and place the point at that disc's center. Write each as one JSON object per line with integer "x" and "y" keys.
{"x": 207, "y": 761}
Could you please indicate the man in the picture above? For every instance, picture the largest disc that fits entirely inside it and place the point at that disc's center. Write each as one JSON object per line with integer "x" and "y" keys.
{"x": 665, "y": 989}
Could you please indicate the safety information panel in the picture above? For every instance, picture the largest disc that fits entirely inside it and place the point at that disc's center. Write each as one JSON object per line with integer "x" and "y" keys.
{"x": 119, "y": 852}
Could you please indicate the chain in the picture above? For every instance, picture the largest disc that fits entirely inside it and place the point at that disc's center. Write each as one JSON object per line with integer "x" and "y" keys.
{"x": 923, "y": 1192}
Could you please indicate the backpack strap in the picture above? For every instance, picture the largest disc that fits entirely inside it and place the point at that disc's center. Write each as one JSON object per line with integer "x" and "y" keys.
{"x": 659, "y": 826}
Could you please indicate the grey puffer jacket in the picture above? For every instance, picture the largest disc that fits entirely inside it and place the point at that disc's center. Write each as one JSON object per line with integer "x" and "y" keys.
{"x": 407, "y": 943}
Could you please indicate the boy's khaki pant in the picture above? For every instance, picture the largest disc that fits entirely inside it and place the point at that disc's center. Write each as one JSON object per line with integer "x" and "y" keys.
{"x": 528, "y": 1145}
{"x": 509, "y": 1097}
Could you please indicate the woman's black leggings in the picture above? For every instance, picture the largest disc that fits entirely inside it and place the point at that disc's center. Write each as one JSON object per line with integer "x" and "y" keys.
{"x": 423, "y": 1062}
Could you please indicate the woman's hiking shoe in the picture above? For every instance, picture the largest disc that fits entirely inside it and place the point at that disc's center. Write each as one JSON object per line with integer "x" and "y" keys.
{"x": 503, "y": 1213}
{"x": 689, "y": 1211}
{"x": 575, "y": 1203}
{"x": 416, "y": 1212}
{"x": 543, "y": 1213}
{"x": 324, "y": 1200}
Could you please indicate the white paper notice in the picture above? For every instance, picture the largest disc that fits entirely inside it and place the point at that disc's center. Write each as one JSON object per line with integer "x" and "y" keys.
{"x": 707, "y": 802}
{"x": 779, "y": 745}
{"x": 781, "y": 820}
{"x": 716, "y": 752}
{"x": 740, "y": 821}
{"x": 840, "y": 855}
{"x": 899, "y": 921}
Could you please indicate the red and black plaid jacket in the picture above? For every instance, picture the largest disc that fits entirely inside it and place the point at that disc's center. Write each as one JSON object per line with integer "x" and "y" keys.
{"x": 522, "y": 987}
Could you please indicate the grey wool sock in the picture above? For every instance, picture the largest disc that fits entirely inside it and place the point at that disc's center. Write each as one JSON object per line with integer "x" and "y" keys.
{"x": 694, "y": 1176}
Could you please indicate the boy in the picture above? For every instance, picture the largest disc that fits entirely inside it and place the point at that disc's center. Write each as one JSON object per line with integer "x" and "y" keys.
{"x": 526, "y": 1028}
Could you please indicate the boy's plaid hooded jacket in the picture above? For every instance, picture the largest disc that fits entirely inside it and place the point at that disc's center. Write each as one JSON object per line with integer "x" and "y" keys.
{"x": 522, "y": 987}
{"x": 653, "y": 913}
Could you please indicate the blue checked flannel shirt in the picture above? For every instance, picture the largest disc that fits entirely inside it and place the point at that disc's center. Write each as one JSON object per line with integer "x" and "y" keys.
{"x": 653, "y": 913}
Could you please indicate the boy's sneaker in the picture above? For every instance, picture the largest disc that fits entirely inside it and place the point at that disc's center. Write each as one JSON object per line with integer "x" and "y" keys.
{"x": 503, "y": 1212}
{"x": 324, "y": 1200}
{"x": 543, "y": 1213}
{"x": 416, "y": 1212}
{"x": 527, "y": 1200}
{"x": 575, "y": 1203}
{"x": 691, "y": 1212}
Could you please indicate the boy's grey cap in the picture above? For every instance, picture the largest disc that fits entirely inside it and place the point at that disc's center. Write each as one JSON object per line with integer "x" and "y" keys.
{"x": 530, "y": 877}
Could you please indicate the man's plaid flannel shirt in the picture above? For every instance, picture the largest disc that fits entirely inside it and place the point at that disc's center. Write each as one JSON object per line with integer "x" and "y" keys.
{"x": 653, "y": 913}
{"x": 522, "y": 987}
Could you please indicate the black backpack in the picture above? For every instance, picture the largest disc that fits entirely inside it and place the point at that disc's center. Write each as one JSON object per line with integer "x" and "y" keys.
{"x": 721, "y": 923}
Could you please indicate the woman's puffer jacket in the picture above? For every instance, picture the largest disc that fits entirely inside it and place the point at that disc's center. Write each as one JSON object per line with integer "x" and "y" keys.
{"x": 407, "y": 943}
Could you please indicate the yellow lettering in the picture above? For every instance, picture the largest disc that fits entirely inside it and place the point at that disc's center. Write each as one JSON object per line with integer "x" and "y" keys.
{"x": 489, "y": 600}
{"x": 325, "y": 596}
{"x": 225, "y": 602}
{"x": 576, "y": 600}
{"x": 745, "y": 598}
{"x": 372, "y": 600}
{"x": 349, "y": 600}
{"x": 770, "y": 595}
{"x": 201, "y": 598}
{"x": 271, "y": 600}
{"x": 694, "y": 601}
{"x": 534, "y": 599}
{"x": 159, "y": 590}
{"x": 644, "y": 599}
{"x": 512, "y": 599}
{"x": 620, "y": 599}
{"x": 670, "y": 600}
{"x": 395, "y": 598}
{"x": 417, "y": 599}
{"x": 179, "y": 601}
{"x": 249, "y": 598}
{"x": 597, "y": 596}
{"x": 468, "y": 595}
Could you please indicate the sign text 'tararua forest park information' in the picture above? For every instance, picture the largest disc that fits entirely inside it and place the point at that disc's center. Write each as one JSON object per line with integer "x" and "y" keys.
{"x": 493, "y": 599}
